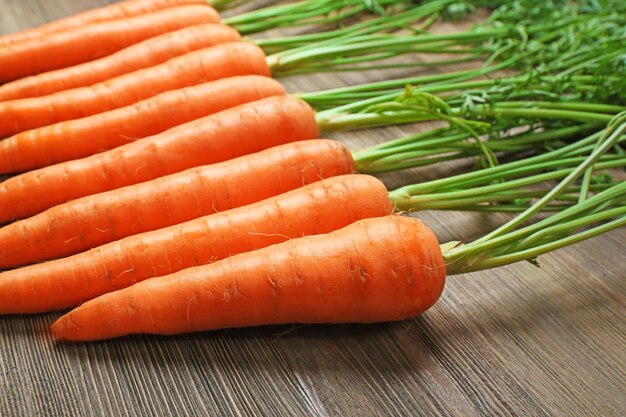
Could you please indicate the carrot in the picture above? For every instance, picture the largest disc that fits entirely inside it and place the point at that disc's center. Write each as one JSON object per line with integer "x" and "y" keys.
{"x": 123, "y": 9}
{"x": 220, "y": 61}
{"x": 88, "y": 222}
{"x": 82, "y": 44}
{"x": 380, "y": 269}
{"x": 234, "y": 132}
{"x": 79, "y": 138}
{"x": 145, "y": 54}
{"x": 314, "y": 209}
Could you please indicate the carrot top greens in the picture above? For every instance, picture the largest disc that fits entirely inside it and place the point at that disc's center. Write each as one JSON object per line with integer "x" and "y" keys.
{"x": 506, "y": 184}
{"x": 525, "y": 35}
{"x": 402, "y": 16}
{"x": 306, "y": 12}
{"x": 589, "y": 216}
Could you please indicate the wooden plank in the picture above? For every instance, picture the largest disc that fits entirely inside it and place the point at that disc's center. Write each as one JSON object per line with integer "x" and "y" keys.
{"x": 519, "y": 340}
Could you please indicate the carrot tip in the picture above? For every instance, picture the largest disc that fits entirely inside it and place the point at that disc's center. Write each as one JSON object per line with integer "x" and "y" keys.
{"x": 59, "y": 328}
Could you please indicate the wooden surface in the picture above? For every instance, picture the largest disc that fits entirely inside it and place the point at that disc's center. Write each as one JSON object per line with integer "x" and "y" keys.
{"x": 519, "y": 340}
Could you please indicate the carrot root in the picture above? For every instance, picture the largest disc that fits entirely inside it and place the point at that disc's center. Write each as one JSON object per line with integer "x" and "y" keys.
{"x": 151, "y": 52}
{"x": 80, "y": 138}
{"x": 375, "y": 270}
{"x": 120, "y": 10}
{"x": 317, "y": 208}
{"x": 208, "y": 64}
{"x": 86, "y": 43}
{"x": 92, "y": 221}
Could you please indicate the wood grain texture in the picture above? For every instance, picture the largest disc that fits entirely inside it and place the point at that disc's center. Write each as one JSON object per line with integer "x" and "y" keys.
{"x": 516, "y": 341}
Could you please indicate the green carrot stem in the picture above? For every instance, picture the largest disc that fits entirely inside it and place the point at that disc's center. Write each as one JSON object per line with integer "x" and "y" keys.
{"x": 531, "y": 253}
{"x": 445, "y": 144}
{"x": 499, "y": 247}
{"x": 353, "y": 93}
{"x": 468, "y": 254}
{"x": 495, "y": 172}
{"x": 374, "y": 47}
{"x": 409, "y": 143}
{"x": 518, "y": 200}
{"x": 615, "y": 193}
{"x": 387, "y": 22}
{"x": 520, "y": 167}
{"x": 545, "y": 113}
{"x": 574, "y": 68}
{"x": 306, "y": 12}
{"x": 488, "y": 193}
{"x": 504, "y": 171}
{"x": 505, "y": 208}
{"x": 224, "y": 4}
{"x": 611, "y": 136}
{"x": 590, "y": 107}
{"x": 344, "y": 65}
{"x": 349, "y": 99}
{"x": 546, "y": 234}
{"x": 522, "y": 141}
{"x": 391, "y": 112}
{"x": 391, "y": 90}
{"x": 516, "y": 197}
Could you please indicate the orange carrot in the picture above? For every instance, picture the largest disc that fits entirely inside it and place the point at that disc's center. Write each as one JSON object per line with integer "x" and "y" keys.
{"x": 220, "y": 61}
{"x": 234, "y": 132}
{"x": 145, "y": 54}
{"x": 86, "y": 43}
{"x": 381, "y": 269}
{"x": 83, "y": 137}
{"x": 123, "y": 9}
{"x": 88, "y": 222}
{"x": 314, "y": 209}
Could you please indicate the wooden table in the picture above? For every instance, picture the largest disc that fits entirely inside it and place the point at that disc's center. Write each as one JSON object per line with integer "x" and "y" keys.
{"x": 519, "y": 340}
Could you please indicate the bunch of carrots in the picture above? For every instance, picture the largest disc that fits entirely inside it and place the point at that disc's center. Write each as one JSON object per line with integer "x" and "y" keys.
{"x": 193, "y": 193}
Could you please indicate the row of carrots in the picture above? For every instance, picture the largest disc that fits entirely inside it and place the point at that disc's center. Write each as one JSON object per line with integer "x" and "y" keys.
{"x": 169, "y": 185}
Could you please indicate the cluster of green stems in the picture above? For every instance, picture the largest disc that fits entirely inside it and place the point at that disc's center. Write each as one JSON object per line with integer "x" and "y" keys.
{"x": 553, "y": 109}
{"x": 590, "y": 216}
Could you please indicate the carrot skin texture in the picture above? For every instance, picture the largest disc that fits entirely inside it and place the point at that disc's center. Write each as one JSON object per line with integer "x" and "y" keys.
{"x": 209, "y": 64}
{"x": 239, "y": 131}
{"x": 375, "y": 270}
{"x": 80, "y": 138}
{"x": 83, "y": 44}
{"x": 91, "y": 221}
{"x": 317, "y": 208}
{"x": 120, "y": 10}
{"x": 145, "y": 54}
